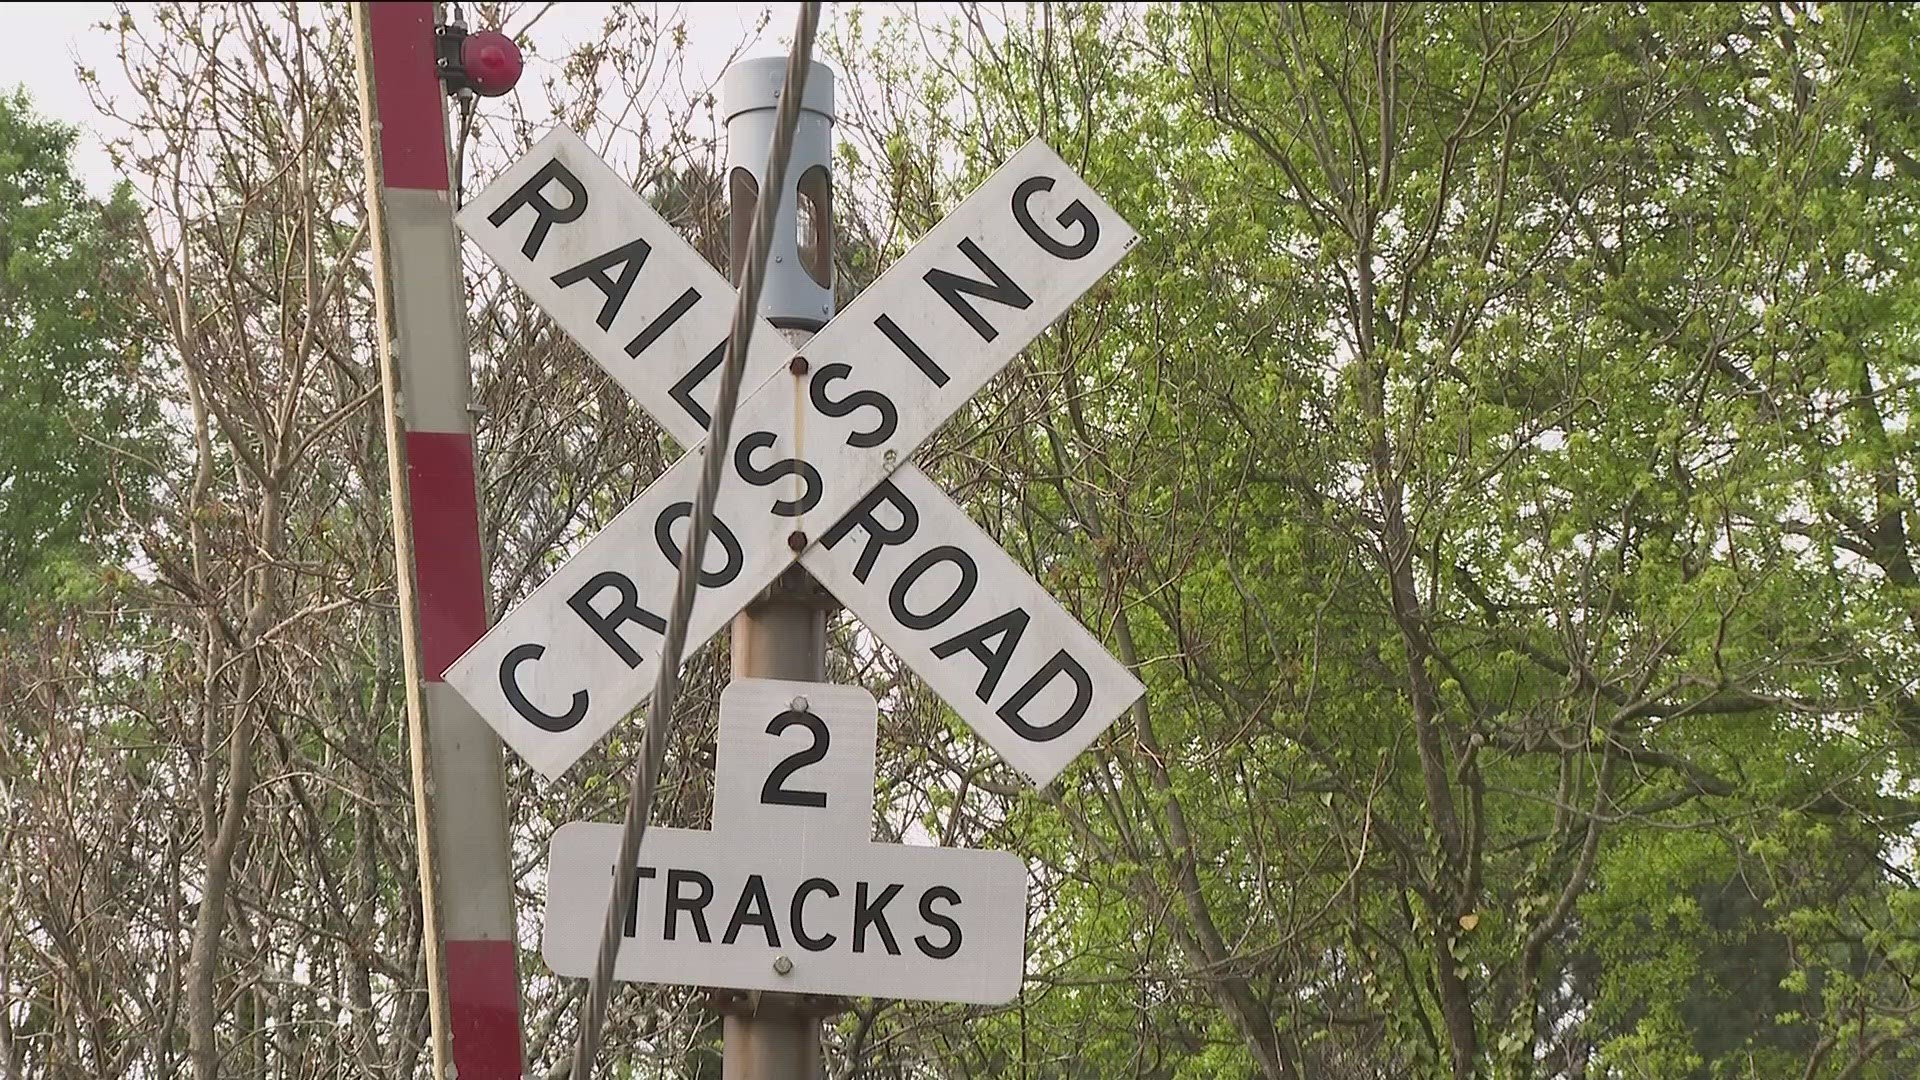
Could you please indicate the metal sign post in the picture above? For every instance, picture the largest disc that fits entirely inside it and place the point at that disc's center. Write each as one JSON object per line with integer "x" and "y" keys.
{"x": 783, "y": 635}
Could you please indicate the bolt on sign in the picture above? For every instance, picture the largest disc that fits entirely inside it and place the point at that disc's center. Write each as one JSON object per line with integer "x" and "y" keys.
{"x": 818, "y": 468}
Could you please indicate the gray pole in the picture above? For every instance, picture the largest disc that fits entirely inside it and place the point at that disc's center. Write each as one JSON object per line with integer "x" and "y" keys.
{"x": 783, "y": 633}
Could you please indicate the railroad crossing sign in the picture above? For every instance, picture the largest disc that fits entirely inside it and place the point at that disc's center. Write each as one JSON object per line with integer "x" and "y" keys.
{"x": 819, "y": 466}
{"x": 788, "y": 892}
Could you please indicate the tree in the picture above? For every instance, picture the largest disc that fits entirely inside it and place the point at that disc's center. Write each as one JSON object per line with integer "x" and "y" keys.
{"x": 1495, "y": 458}
{"x": 208, "y": 865}
{"x": 75, "y": 425}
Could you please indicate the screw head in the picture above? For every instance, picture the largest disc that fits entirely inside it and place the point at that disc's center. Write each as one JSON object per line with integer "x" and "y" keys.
{"x": 797, "y": 540}
{"x": 798, "y": 365}
{"x": 798, "y": 704}
{"x": 782, "y": 966}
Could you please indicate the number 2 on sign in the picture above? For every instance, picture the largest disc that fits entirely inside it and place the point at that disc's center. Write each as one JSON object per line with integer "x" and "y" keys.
{"x": 775, "y": 792}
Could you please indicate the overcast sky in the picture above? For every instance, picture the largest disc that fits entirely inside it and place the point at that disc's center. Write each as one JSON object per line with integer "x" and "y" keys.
{"x": 49, "y": 40}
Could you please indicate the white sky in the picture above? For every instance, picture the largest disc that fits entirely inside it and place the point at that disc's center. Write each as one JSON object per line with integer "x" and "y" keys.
{"x": 49, "y": 40}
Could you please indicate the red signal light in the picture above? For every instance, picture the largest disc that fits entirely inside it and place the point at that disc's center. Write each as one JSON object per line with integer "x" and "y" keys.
{"x": 491, "y": 61}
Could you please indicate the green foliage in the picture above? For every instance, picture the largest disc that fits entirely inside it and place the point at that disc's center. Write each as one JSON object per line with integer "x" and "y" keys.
{"x": 1498, "y": 456}
{"x": 75, "y": 432}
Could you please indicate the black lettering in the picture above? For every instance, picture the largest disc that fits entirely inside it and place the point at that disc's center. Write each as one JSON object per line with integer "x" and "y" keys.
{"x": 754, "y": 896}
{"x": 546, "y": 214}
{"x": 811, "y": 885}
{"x": 743, "y": 464}
{"x": 947, "y": 553}
{"x": 510, "y": 686}
{"x": 932, "y": 917}
{"x": 878, "y": 535}
{"x": 873, "y": 914}
{"x": 998, "y": 288}
{"x": 695, "y": 905}
{"x": 993, "y": 660}
{"x": 1082, "y": 696}
{"x": 626, "y": 610}
{"x": 915, "y": 353}
{"x": 774, "y": 792}
{"x": 631, "y": 257}
{"x": 1076, "y": 213}
{"x": 709, "y": 579}
{"x": 663, "y": 322}
{"x": 889, "y": 416}
{"x": 640, "y": 873}
{"x": 682, "y": 391}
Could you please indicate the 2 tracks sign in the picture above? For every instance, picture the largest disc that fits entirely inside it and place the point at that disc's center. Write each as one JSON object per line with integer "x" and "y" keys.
{"x": 787, "y": 892}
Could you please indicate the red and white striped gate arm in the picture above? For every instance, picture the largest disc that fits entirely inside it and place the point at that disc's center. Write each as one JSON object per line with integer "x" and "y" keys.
{"x": 458, "y": 783}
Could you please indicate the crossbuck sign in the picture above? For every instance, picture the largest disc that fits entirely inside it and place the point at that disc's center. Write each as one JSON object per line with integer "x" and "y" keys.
{"x": 818, "y": 470}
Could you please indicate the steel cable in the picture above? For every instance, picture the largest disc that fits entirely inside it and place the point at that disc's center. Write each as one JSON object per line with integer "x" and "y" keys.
{"x": 593, "y": 1011}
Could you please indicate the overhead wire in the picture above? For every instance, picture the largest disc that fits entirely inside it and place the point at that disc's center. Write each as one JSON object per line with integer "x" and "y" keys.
{"x": 646, "y": 776}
